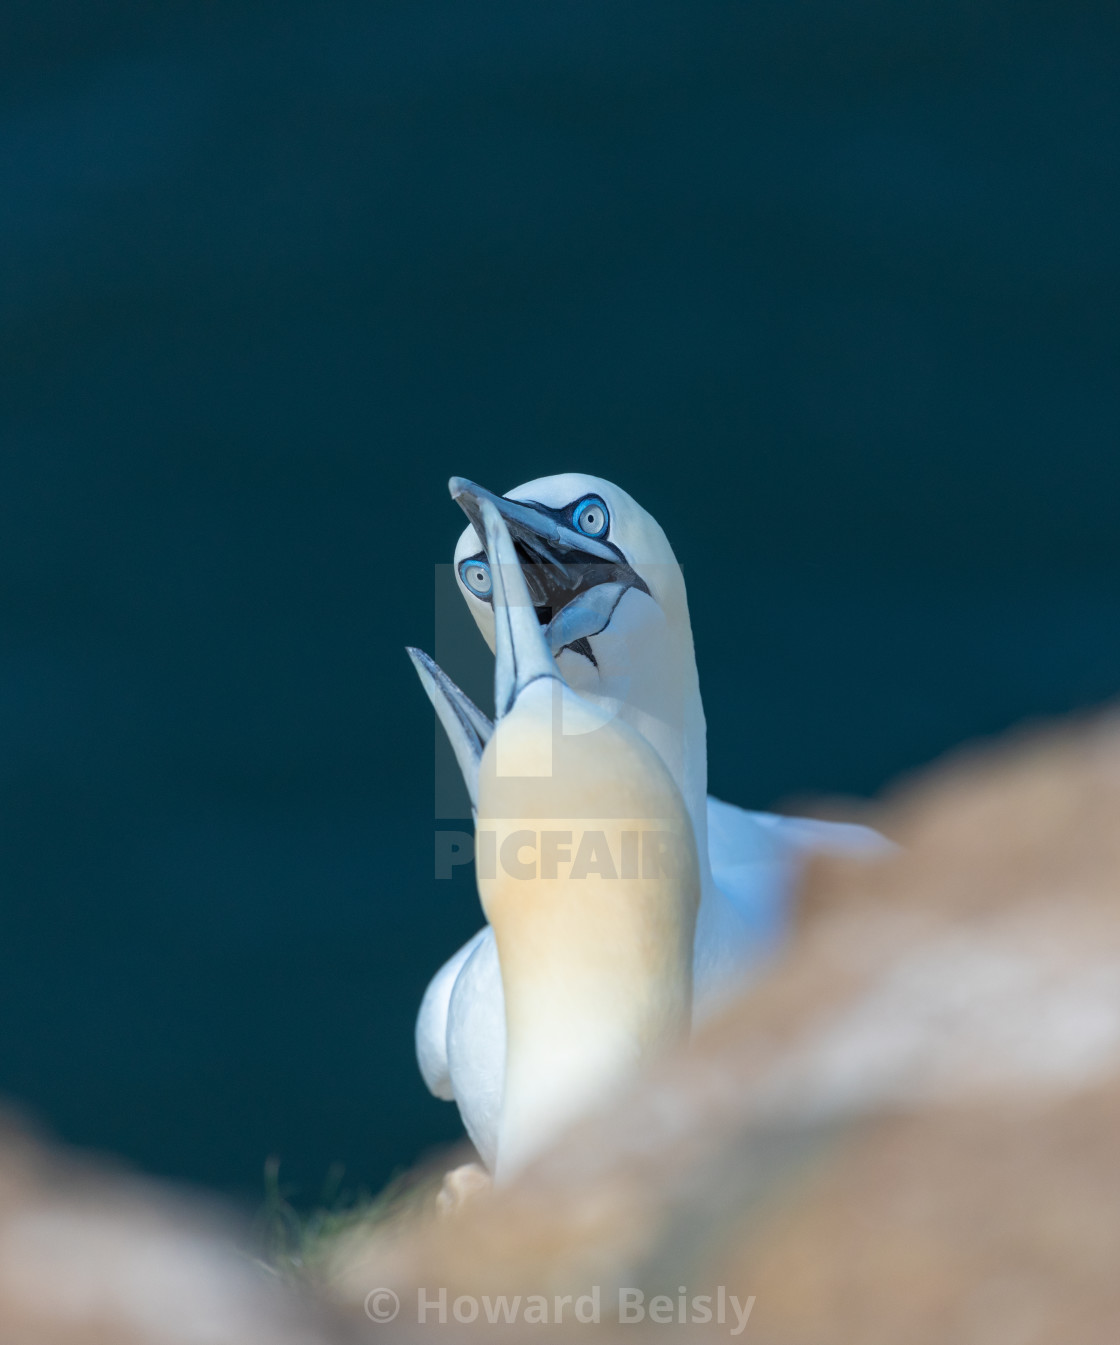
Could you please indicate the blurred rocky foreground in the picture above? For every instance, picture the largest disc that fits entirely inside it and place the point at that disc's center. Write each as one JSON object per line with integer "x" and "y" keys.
{"x": 909, "y": 1131}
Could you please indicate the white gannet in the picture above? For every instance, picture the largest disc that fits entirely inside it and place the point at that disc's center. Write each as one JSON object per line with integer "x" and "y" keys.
{"x": 611, "y": 597}
{"x": 594, "y": 885}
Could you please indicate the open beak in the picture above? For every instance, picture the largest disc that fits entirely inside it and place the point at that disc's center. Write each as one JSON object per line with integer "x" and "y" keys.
{"x": 467, "y": 728}
{"x": 574, "y": 581}
{"x": 522, "y": 654}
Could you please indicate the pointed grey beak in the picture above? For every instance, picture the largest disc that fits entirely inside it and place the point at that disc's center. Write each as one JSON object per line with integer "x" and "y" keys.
{"x": 467, "y": 728}
{"x": 522, "y": 654}
{"x": 527, "y": 525}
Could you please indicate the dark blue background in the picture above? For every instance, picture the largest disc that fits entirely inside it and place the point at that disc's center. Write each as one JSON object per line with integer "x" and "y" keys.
{"x": 831, "y": 288}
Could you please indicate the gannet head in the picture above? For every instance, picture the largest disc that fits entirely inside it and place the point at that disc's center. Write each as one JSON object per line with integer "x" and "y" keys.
{"x": 610, "y": 598}
{"x": 584, "y": 544}
{"x": 595, "y": 932}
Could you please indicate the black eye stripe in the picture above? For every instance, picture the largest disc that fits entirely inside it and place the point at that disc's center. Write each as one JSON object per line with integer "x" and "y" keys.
{"x": 564, "y": 514}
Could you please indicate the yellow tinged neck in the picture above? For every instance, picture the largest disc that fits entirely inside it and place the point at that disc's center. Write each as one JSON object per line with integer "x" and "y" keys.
{"x": 589, "y": 877}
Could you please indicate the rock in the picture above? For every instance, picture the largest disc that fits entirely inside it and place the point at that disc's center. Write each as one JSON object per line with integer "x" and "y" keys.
{"x": 95, "y": 1256}
{"x": 907, "y": 1131}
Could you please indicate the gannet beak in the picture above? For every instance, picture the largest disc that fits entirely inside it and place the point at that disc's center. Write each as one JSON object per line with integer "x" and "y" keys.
{"x": 542, "y": 535}
{"x": 467, "y": 728}
{"x": 574, "y": 581}
{"x": 522, "y": 654}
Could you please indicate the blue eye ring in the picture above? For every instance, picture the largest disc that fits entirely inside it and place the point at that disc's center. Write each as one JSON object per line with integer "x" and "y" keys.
{"x": 476, "y": 577}
{"x": 585, "y": 520}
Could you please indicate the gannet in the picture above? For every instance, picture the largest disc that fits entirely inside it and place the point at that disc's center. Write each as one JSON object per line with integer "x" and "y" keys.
{"x": 611, "y": 600}
{"x": 594, "y": 886}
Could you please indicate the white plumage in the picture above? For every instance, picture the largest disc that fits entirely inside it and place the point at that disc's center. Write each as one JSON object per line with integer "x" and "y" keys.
{"x": 613, "y": 608}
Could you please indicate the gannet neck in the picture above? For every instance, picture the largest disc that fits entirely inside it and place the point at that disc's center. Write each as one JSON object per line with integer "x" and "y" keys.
{"x": 645, "y": 674}
{"x": 595, "y": 939}
{"x": 594, "y": 936}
